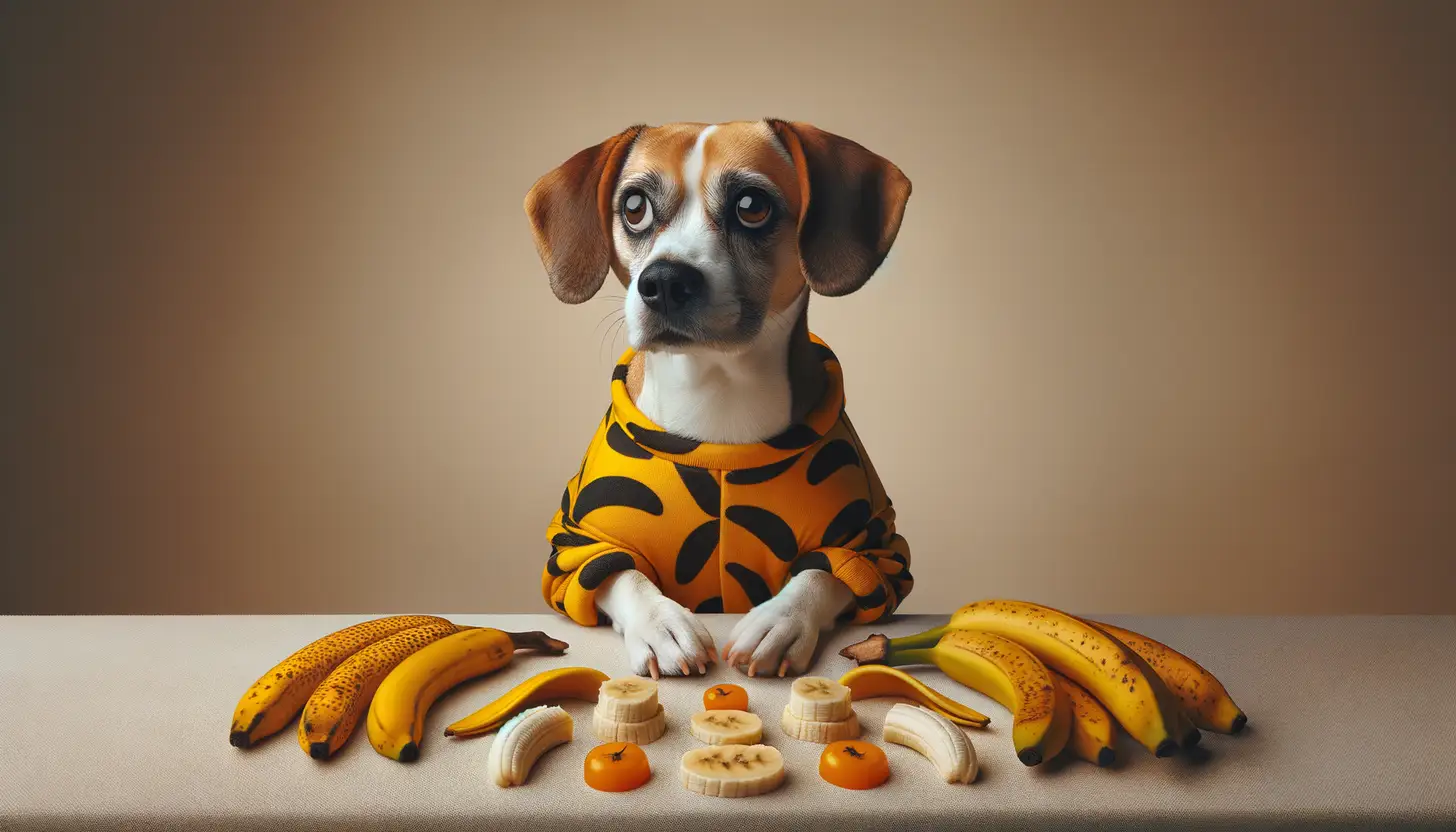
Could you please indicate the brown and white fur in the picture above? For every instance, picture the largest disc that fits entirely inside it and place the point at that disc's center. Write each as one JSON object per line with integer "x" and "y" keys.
{"x": 738, "y": 223}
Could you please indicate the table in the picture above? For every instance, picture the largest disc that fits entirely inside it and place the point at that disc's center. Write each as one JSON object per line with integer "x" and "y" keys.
{"x": 121, "y": 723}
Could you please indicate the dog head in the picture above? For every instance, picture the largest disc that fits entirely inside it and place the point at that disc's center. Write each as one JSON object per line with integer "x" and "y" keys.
{"x": 712, "y": 229}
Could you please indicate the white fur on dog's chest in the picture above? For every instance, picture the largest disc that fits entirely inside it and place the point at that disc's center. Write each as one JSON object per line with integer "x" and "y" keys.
{"x": 729, "y": 398}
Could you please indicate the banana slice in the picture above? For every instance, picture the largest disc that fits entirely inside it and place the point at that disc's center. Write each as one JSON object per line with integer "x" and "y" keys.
{"x": 817, "y": 699}
{"x": 522, "y": 741}
{"x": 813, "y": 730}
{"x": 733, "y": 770}
{"x": 935, "y": 737}
{"x": 726, "y": 727}
{"x": 628, "y": 699}
{"x": 639, "y": 733}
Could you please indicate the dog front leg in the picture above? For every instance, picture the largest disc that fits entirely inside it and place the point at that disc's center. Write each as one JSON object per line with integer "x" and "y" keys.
{"x": 661, "y": 636}
{"x": 780, "y": 634}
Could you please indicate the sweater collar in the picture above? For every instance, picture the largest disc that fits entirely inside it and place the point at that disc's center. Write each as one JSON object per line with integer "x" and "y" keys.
{"x": 685, "y": 451}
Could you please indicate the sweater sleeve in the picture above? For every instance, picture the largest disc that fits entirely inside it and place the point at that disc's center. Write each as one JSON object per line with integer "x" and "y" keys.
{"x": 579, "y": 562}
{"x": 874, "y": 564}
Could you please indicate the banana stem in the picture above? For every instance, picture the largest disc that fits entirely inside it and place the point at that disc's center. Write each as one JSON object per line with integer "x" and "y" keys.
{"x": 537, "y": 640}
{"x": 918, "y": 655}
{"x": 917, "y": 641}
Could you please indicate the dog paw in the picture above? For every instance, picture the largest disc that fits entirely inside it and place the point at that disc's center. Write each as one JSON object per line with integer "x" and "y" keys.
{"x": 774, "y": 637}
{"x": 667, "y": 640}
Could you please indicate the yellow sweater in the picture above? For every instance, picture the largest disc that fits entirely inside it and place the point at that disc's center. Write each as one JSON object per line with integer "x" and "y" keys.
{"x": 721, "y": 528}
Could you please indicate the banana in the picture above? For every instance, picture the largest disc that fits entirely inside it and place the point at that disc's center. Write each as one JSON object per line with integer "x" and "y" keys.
{"x": 644, "y": 732}
{"x": 1093, "y": 731}
{"x": 276, "y": 698}
{"x": 1119, "y": 678}
{"x": 1041, "y": 721}
{"x": 816, "y": 699}
{"x": 813, "y": 730}
{"x": 935, "y": 737}
{"x": 1203, "y": 696}
{"x": 523, "y": 739}
{"x": 334, "y": 709}
{"x": 397, "y": 714}
{"x": 732, "y": 770}
{"x": 723, "y": 727}
{"x": 627, "y": 699}
{"x": 872, "y": 680}
{"x": 562, "y": 683}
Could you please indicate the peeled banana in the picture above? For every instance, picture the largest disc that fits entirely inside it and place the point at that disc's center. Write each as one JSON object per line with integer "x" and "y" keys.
{"x": 561, "y": 683}
{"x": 1093, "y": 731}
{"x": 336, "y": 705}
{"x": 397, "y": 714}
{"x": 276, "y": 698}
{"x": 523, "y": 739}
{"x": 724, "y": 727}
{"x": 1041, "y": 721}
{"x": 872, "y": 680}
{"x": 732, "y": 770}
{"x": 1202, "y": 695}
{"x": 1119, "y": 678}
{"x": 935, "y": 737}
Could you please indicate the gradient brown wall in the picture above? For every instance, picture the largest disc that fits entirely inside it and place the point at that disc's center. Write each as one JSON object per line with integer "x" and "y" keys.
{"x": 1168, "y": 326}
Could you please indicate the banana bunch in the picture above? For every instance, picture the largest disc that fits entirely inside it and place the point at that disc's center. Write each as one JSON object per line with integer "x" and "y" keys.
{"x": 819, "y": 710}
{"x": 1068, "y": 682}
{"x": 628, "y": 711}
{"x": 329, "y": 684}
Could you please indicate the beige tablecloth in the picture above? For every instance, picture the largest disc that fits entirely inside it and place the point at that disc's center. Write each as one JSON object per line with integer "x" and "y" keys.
{"x": 121, "y": 723}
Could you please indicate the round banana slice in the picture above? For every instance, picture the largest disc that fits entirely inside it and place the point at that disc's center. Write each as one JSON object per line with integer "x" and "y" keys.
{"x": 726, "y": 727}
{"x": 733, "y": 770}
{"x": 639, "y": 733}
{"x": 812, "y": 730}
{"x": 818, "y": 699}
{"x": 627, "y": 699}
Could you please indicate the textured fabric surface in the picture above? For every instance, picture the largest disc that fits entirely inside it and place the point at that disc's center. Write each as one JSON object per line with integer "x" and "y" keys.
{"x": 121, "y": 723}
{"x": 721, "y": 528}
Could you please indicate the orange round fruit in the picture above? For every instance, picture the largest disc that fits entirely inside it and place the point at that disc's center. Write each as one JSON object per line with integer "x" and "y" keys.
{"x": 854, "y": 765}
{"x": 617, "y": 767}
{"x": 725, "y": 698}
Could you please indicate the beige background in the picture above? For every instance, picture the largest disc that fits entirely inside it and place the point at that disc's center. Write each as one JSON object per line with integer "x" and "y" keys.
{"x": 1168, "y": 327}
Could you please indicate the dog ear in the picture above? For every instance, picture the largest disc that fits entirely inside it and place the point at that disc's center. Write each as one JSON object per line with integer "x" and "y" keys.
{"x": 570, "y": 210}
{"x": 851, "y": 200}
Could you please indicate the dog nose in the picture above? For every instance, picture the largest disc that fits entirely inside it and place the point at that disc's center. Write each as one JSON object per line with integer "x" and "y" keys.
{"x": 667, "y": 286}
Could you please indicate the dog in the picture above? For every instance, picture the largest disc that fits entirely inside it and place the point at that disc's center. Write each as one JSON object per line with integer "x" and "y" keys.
{"x": 725, "y": 476}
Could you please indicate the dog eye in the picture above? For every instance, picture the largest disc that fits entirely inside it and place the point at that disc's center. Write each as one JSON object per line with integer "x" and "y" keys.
{"x": 753, "y": 208}
{"x": 636, "y": 210}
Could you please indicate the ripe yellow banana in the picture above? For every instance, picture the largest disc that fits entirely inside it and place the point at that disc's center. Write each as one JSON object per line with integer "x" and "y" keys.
{"x": 1041, "y": 721}
{"x": 1204, "y": 698}
{"x": 334, "y": 709}
{"x": 276, "y": 698}
{"x": 1120, "y": 679}
{"x": 562, "y": 683}
{"x": 1093, "y": 731}
{"x": 397, "y": 714}
{"x": 872, "y": 680}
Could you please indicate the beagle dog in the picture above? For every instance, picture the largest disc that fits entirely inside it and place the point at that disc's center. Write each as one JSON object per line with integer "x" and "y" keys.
{"x": 725, "y": 475}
